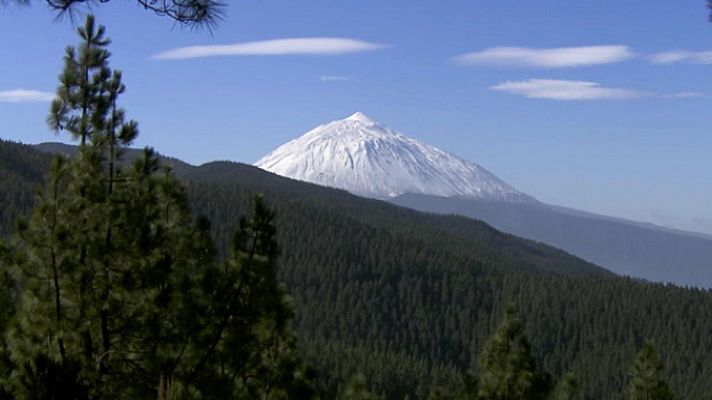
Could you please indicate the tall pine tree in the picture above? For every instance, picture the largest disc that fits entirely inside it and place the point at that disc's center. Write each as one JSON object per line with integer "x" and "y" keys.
{"x": 242, "y": 345}
{"x": 119, "y": 294}
{"x": 647, "y": 377}
{"x": 78, "y": 104}
{"x": 507, "y": 369}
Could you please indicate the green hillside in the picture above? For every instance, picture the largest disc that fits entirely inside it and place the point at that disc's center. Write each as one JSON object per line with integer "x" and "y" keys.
{"x": 409, "y": 298}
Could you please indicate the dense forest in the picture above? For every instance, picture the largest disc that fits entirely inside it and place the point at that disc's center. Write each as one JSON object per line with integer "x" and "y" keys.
{"x": 409, "y": 300}
{"x": 423, "y": 292}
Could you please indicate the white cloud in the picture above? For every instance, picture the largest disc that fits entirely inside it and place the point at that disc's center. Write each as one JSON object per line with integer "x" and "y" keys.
{"x": 564, "y": 90}
{"x": 331, "y": 78}
{"x": 277, "y": 47}
{"x": 685, "y": 95}
{"x": 547, "y": 58}
{"x": 24, "y": 96}
{"x": 674, "y": 56}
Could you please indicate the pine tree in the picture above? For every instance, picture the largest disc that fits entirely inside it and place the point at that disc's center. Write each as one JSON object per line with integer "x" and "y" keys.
{"x": 566, "y": 389}
{"x": 507, "y": 368}
{"x": 92, "y": 273}
{"x": 244, "y": 347}
{"x": 356, "y": 389}
{"x": 120, "y": 294}
{"x": 647, "y": 378}
{"x": 77, "y": 107}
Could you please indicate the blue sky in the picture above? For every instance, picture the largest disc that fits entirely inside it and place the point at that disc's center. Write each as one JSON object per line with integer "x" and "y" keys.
{"x": 614, "y": 118}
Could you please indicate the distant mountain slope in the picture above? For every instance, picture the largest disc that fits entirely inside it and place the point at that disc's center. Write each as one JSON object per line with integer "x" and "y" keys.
{"x": 627, "y": 248}
{"x": 360, "y": 155}
{"x": 409, "y": 298}
{"x": 445, "y": 232}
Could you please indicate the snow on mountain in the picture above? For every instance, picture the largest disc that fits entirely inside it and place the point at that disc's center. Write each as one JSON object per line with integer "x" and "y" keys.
{"x": 360, "y": 155}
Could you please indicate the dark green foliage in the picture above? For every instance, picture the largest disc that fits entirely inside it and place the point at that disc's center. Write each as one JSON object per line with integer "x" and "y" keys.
{"x": 405, "y": 297}
{"x": 356, "y": 389}
{"x": 241, "y": 339}
{"x": 7, "y": 309}
{"x": 21, "y": 172}
{"x": 647, "y": 378}
{"x": 116, "y": 293}
{"x": 129, "y": 155}
{"x": 567, "y": 389}
{"x": 507, "y": 368}
{"x": 410, "y": 299}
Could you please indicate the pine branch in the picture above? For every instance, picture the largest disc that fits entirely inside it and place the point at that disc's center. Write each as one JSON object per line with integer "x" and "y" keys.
{"x": 191, "y": 13}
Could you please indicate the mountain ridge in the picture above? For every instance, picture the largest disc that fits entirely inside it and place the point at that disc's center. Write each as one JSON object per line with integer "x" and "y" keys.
{"x": 625, "y": 247}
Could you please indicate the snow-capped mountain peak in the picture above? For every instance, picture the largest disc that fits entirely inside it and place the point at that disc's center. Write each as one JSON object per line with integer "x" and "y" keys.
{"x": 360, "y": 155}
{"x": 361, "y": 117}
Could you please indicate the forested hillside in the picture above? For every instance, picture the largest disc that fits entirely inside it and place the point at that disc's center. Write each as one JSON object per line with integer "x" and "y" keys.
{"x": 409, "y": 299}
{"x": 23, "y": 169}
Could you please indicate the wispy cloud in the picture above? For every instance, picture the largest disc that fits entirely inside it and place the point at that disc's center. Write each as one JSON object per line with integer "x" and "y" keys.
{"x": 277, "y": 47}
{"x": 25, "y": 96}
{"x": 565, "y": 90}
{"x": 561, "y": 57}
{"x": 685, "y": 95}
{"x": 332, "y": 78}
{"x": 675, "y": 56}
